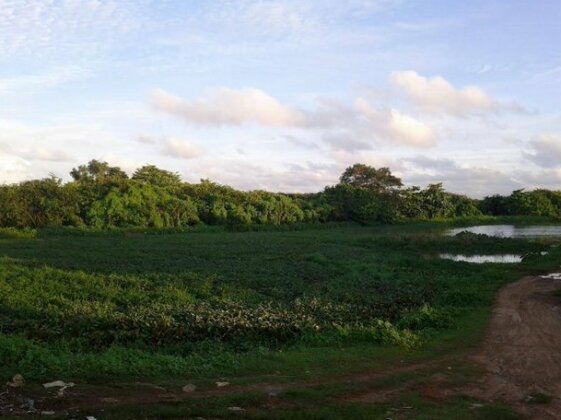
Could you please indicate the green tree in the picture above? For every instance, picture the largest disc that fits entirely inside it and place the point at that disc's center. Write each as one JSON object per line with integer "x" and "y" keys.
{"x": 410, "y": 203}
{"x": 436, "y": 202}
{"x": 364, "y": 176}
{"x": 96, "y": 171}
{"x": 496, "y": 205}
{"x": 153, "y": 175}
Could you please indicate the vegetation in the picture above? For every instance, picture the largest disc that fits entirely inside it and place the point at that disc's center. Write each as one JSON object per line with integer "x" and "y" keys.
{"x": 143, "y": 305}
{"x": 249, "y": 283}
{"x": 539, "y": 398}
{"x": 104, "y": 197}
{"x": 524, "y": 203}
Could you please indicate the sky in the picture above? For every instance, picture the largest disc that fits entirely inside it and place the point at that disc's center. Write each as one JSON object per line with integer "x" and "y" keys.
{"x": 283, "y": 95}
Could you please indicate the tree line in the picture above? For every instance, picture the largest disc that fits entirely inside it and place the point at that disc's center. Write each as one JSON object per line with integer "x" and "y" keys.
{"x": 103, "y": 196}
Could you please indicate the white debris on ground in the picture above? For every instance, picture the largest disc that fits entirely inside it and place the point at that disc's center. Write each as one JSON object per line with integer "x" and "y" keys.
{"x": 189, "y": 388}
{"x": 552, "y": 276}
{"x": 17, "y": 381}
{"x": 59, "y": 384}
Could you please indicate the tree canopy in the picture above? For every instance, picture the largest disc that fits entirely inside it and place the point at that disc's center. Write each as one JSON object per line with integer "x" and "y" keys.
{"x": 103, "y": 196}
{"x": 153, "y": 175}
{"x": 96, "y": 171}
{"x": 364, "y": 176}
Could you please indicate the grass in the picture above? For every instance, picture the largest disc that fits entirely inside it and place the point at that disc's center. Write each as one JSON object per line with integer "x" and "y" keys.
{"x": 280, "y": 306}
{"x": 539, "y": 398}
{"x": 318, "y": 408}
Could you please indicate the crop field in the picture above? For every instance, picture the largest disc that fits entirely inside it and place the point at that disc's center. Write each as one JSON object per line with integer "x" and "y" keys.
{"x": 211, "y": 304}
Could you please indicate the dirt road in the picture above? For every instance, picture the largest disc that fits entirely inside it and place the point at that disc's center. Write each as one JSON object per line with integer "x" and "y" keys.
{"x": 522, "y": 349}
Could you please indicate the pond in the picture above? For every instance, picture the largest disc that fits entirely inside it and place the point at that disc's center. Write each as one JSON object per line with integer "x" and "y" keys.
{"x": 510, "y": 231}
{"x": 482, "y": 259}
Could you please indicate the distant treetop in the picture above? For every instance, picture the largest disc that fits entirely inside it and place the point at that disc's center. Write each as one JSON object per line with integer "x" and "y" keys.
{"x": 364, "y": 176}
{"x": 97, "y": 171}
{"x": 153, "y": 175}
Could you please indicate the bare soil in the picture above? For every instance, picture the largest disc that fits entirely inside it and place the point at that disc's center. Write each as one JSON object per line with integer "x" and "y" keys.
{"x": 522, "y": 349}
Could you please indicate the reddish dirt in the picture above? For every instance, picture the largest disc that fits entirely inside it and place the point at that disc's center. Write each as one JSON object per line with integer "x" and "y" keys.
{"x": 522, "y": 348}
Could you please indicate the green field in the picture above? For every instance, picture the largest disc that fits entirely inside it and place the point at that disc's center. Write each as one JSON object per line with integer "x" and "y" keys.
{"x": 277, "y": 306}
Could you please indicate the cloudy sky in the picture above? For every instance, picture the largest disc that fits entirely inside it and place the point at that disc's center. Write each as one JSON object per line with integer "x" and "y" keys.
{"x": 284, "y": 94}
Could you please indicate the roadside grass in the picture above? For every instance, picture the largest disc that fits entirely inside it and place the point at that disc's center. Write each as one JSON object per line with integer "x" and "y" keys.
{"x": 539, "y": 398}
{"x": 315, "y": 405}
{"x": 337, "y": 399}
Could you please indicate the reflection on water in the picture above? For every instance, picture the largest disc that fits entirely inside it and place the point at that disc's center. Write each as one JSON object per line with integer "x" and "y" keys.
{"x": 510, "y": 231}
{"x": 481, "y": 259}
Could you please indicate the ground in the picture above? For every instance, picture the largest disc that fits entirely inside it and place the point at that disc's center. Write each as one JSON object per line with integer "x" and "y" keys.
{"x": 521, "y": 353}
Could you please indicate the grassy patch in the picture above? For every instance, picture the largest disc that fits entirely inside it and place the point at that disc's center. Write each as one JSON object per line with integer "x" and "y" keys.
{"x": 314, "y": 405}
{"x": 135, "y": 304}
{"x": 539, "y": 398}
{"x": 273, "y": 306}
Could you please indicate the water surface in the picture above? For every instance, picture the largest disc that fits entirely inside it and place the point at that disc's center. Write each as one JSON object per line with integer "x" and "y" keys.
{"x": 510, "y": 231}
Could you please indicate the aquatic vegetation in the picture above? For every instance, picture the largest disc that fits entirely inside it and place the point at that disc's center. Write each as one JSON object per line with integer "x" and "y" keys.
{"x": 124, "y": 303}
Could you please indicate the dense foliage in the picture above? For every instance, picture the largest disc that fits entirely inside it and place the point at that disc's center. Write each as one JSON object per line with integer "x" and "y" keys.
{"x": 131, "y": 303}
{"x": 524, "y": 203}
{"x": 102, "y": 196}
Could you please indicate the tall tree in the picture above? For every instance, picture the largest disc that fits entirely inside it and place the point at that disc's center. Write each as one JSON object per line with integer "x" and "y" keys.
{"x": 151, "y": 174}
{"x": 97, "y": 171}
{"x": 364, "y": 176}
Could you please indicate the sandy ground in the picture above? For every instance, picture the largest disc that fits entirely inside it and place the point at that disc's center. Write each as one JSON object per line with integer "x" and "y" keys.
{"x": 522, "y": 348}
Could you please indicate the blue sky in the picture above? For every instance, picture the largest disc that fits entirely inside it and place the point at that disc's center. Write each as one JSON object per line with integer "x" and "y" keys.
{"x": 284, "y": 94}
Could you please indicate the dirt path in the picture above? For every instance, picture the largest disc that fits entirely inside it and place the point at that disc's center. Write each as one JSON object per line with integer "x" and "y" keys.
{"x": 522, "y": 348}
{"x": 98, "y": 397}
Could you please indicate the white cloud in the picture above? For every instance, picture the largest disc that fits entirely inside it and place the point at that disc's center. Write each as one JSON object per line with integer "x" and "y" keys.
{"x": 30, "y": 83}
{"x": 410, "y": 130}
{"x": 346, "y": 158}
{"x": 437, "y": 95}
{"x": 124, "y": 163}
{"x": 290, "y": 18}
{"x": 179, "y": 148}
{"x": 547, "y": 151}
{"x": 244, "y": 173}
{"x": 51, "y": 147}
{"x": 144, "y": 139}
{"x": 40, "y": 153}
{"x": 13, "y": 169}
{"x": 270, "y": 17}
{"x": 346, "y": 140}
{"x": 18, "y": 140}
{"x": 341, "y": 126}
{"x": 229, "y": 107}
{"x": 43, "y": 27}
{"x": 462, "y": 179}
{"x": 549, "y": 178}
{"x": 396, "y": 126}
